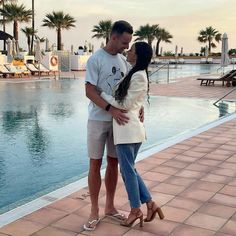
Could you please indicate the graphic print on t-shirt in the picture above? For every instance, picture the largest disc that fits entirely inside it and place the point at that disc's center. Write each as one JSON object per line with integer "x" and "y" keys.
{"x": 113, "y": 78}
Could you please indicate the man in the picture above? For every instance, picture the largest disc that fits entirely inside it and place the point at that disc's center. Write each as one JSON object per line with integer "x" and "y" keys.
{"x": 105, "y": 68}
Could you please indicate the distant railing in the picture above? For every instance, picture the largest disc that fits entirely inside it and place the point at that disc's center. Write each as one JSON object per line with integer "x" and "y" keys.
{"x": 160, "y": 67}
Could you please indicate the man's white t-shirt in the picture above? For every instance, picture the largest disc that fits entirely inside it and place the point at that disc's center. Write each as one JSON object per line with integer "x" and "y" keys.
{"x": 104, "y": 71}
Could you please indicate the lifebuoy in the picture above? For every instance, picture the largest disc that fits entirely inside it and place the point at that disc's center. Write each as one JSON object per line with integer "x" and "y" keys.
{"x": 54, "y": 61}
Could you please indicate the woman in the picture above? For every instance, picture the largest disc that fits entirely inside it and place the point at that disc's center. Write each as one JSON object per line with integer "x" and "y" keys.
{"x": 130, "y": 96}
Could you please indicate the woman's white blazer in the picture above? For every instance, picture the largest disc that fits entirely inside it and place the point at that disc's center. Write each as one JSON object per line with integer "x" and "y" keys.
{"x": 133, "y": 131}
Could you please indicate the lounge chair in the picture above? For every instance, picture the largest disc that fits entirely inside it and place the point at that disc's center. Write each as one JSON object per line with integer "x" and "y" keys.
{"x": 172, "y": 61}
{"x": 203, "y": 60}
{"x": 229, "y": 77}
{"x": 13, "y": 69}
{"x": 43, "y": 69}
{"x": 181, "y": 61}
{"x": 209, "y": 60}
{"x": 233, "y": 60}
{"x": 5, "y": 72}
{"x": 24, "y": 70}
{"x": 32, "y": 69}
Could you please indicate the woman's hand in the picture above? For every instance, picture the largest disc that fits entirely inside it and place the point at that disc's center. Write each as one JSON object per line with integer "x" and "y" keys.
{"x": 141, "y": 114}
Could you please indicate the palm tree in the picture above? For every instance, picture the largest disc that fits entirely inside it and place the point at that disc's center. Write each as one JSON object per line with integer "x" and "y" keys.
{"x": 15, "y": 13}
{"x": 146, "y": 32}
{"x": 162, "y": 35}
{"x": 102, "y": 30}
{"x": 60, "y": 21}
{"x": 2, "y": 2}
{"x": 29, "y": 31}
{"x": 208, "y": 35}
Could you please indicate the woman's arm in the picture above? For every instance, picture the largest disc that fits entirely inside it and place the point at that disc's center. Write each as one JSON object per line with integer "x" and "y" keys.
{"x": 137, "y": 88}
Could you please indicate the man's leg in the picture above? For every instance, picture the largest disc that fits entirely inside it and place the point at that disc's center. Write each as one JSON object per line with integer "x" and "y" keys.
{"x": 94, "y": 182}
{"x": 111, "y": 178}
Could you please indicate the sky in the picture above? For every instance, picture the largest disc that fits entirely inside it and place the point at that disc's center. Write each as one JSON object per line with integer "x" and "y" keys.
{"x": 182, "y": 18}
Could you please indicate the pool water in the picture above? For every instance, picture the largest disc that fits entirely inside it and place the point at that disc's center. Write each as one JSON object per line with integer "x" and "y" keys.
{"x": 43, "y": 134}
{"x": 185, "y": 70}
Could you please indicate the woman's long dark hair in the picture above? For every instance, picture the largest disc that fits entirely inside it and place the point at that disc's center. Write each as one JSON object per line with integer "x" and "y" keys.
{"x": 143, "y": 53}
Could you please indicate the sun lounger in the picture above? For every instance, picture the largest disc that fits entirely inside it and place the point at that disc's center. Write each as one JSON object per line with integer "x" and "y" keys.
{"x": 43, "y": 69}
{"x": 233, "y": 60}
{"x": 172, "y": 61}
{"x": 24, "y": 70}
{"x": 5, "y": 72}
{"x": 14, "y": 69}
{"x": 32, "y": 69}
{"x": 229, "y": 78}
{"x": 181, "y": 61}
{"x": 209, "y": 60}
{"x": 203, "y": 60}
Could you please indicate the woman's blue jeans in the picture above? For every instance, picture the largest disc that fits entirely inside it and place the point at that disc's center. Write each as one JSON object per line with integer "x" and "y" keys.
{"x": 135, "y": 187}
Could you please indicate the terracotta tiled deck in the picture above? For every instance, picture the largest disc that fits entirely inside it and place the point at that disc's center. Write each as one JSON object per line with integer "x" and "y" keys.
{"x": 194, "y": 181}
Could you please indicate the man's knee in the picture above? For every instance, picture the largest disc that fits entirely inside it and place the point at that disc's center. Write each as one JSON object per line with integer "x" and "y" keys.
{"x": 95, "y": 165}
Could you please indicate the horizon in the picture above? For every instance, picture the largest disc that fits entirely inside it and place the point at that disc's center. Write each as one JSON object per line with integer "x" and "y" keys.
{"x": 183, "y": 21}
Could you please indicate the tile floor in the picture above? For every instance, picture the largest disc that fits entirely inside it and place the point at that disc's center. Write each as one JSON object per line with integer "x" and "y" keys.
{"x": 194, "y": 181}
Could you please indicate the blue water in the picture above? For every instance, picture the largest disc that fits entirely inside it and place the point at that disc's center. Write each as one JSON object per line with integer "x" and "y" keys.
{"x": 43, "y": 134}
{"x": 185, "y": 70}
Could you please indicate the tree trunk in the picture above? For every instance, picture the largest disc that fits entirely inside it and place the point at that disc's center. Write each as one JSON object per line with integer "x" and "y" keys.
{"x": 32, "y": 37}
{"x": 107, "y": 39}
{"x": 28, "y": 42}
{"x": 4, "y": 26}
{"x": 59, "y": 39}
{"x": 157, "y": 47}
{"x": 15, "y": 30}
{"x": 209, "y": 46}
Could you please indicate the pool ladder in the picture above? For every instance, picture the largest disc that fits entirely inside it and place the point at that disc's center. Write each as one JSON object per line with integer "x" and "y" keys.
{"x": 215, "y": 103}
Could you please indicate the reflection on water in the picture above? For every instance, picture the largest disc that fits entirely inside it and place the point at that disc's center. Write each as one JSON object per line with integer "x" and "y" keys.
{"x": 37, "y": 140}
{"x": 43, "y": 134}
{"x": 12, "y": 120}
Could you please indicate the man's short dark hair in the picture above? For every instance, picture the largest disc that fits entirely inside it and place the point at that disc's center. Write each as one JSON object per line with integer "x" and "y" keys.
{"x": 121, "y": 27}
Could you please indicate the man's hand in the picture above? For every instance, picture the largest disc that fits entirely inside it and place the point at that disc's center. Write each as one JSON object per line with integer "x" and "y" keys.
{"x": 141, "y": 114}
{"x": 119, "y": 115}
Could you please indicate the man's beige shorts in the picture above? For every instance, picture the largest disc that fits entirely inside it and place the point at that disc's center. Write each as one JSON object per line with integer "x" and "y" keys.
{"x": 99, "y": 135}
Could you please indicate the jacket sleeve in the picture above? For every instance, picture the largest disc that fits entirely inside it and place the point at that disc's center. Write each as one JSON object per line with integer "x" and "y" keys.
{"x": 137, "y": 89}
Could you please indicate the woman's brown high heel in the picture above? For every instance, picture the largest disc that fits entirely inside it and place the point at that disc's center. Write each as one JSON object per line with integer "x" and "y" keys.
{"x": 155, "y": 210}
{"x": 138, "y": 215}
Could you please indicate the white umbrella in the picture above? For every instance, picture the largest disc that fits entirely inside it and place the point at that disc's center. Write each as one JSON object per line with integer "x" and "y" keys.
{"x": 9, "y": 50}
{"x": 181, "y": 51}
{"x": 46, "y": 45}
{"x": 206, "y": 52}
{"x": 72, "y": 50}
{"x": 153, "y": 51}
{"x": 13, "y": 47}
{"x": 161, "y": 51}
{"x": 224, "y": 52}
{"x": 38, "y": 54}
{"x": 176, "y": 51}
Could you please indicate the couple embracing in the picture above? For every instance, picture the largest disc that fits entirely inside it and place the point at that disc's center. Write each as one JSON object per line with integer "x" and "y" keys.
{"x": 117, "y": 88}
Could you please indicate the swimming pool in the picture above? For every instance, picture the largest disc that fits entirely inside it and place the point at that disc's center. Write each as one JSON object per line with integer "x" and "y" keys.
{"x": 185, "y": 70}
{"x": 43, "y": 134}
